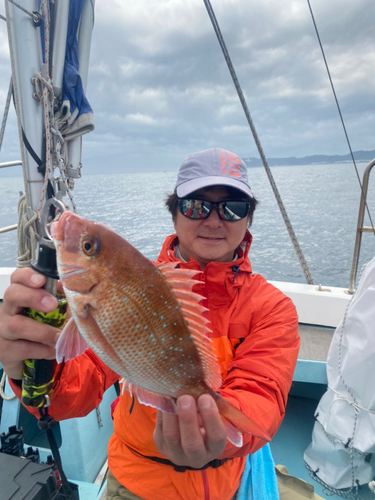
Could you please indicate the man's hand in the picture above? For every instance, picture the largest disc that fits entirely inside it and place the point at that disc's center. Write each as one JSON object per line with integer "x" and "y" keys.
{"x": 195, "y": 436}
{"x": 22, "y": 337}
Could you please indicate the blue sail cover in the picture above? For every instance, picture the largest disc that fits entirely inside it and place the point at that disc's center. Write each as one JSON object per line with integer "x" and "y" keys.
{"x": 72, "y": 82}
{"x": 75, "y": 116}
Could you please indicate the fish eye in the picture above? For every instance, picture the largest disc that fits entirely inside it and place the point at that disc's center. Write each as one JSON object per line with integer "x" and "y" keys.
{"x": 89, "y": 246}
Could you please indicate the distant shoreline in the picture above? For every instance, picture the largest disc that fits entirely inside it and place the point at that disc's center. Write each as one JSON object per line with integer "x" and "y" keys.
{"x": 359, "y": 156}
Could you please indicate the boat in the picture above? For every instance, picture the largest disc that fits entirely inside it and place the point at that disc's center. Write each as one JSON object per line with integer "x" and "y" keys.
{"x": 83, "y": 442}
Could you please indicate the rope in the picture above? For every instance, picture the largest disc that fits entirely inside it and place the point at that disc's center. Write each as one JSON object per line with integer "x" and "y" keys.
{"x": 2, "y": 385}
{"x": 99, "y": 417}
{"x": 6, "y": 111}
{"x": 341, "y": 117}
{"x": 26, "y": 234}
{"x": 328, "y": 490}
{"x": 284, "y": 214}
{"x": 357, "y": 408}
{"x": 55, "y": 144}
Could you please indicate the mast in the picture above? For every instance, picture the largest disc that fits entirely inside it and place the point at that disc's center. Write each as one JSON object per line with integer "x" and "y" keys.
{"x": 25, "y": 55}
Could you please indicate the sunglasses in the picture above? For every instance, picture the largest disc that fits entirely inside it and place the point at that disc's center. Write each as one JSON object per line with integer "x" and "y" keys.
{"x": 227, "y": 210}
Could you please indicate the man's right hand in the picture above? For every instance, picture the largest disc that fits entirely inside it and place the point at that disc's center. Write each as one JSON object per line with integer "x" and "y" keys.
{"x": 22, "y": 337}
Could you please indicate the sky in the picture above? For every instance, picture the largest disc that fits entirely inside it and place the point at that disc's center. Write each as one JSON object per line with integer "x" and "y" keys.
{"x": 160, "y": 88}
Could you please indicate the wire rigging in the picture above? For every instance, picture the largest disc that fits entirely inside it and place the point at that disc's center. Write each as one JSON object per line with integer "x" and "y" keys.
{"x": 284, "y": 214}
{"x": 341, "y": 117}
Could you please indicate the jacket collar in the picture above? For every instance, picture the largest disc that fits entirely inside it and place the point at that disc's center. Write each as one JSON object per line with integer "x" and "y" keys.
{"x": 167, "y": 254}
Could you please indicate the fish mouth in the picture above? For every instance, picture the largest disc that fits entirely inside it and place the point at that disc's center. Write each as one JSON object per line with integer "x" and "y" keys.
{"x": 58, "y": 227}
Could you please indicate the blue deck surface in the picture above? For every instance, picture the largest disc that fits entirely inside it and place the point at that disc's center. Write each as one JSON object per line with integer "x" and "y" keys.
{"x": 294, "y": 436}
{"x": 87, "y": 491}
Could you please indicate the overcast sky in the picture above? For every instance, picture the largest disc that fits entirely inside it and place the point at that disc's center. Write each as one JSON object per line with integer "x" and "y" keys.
{"x": 160, "y": 88}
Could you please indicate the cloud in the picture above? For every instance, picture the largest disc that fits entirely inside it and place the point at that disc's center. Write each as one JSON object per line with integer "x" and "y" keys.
{"x": 160, "y": 87}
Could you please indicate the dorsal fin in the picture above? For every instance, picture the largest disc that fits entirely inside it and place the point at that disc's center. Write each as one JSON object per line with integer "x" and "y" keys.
{"x": 181, "y": 283}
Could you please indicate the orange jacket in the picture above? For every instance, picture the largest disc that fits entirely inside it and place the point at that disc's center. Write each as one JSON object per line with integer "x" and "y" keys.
{"x": 255, "y": 334}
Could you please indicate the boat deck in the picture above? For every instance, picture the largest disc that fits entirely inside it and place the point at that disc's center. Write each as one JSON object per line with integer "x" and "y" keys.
{"x": 294, "y": 436}
{"x": 315, "y": 342}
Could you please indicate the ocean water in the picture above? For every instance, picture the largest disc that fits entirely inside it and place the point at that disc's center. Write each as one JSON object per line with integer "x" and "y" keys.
{"x": 321, "y": 200}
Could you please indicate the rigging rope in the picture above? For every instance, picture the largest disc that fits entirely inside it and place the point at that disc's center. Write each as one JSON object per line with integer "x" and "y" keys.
{"x": 6, "y": 111}
{"x": 284, "y": 214}
{"x": 2, "y": 385}
{"x": 26, "y": 234}
{"x": 55, "y": 144}
{"x": 341, "y": 117}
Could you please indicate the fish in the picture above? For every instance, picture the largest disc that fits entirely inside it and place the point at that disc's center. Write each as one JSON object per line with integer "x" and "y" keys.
{"x": 143, "y": 320}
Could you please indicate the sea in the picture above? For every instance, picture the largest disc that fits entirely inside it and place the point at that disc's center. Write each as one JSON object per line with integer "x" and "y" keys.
{"x": 321, "y": 201}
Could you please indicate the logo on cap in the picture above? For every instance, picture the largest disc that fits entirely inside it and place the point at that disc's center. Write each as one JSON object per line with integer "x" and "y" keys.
{"x": 230, "y": 163}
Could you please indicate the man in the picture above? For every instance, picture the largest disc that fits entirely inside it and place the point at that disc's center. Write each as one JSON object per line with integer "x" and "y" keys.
{"x": 157, "y": 456}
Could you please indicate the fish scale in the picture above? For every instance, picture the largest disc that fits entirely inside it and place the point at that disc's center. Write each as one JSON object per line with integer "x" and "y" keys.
{"x": 144, "y": 321}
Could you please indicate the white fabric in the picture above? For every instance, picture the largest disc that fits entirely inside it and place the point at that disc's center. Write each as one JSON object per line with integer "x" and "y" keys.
{"x": 346, "y": 412}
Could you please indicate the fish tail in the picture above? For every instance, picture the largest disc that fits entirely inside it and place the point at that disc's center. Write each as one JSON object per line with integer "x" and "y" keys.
{"x": 237, "y": 422}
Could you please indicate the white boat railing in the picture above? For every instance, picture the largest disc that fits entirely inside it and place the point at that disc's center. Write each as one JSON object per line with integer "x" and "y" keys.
{"x": 6, "y": 165}
{"x": 8, "y": 228}
{"x": 10, "y": 164}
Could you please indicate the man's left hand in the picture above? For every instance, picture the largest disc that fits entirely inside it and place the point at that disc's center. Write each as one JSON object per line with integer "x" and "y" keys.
{"x": 195, "y": 436}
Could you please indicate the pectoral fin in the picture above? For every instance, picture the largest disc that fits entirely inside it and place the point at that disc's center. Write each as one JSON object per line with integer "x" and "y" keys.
{"x": 71, "y": 343}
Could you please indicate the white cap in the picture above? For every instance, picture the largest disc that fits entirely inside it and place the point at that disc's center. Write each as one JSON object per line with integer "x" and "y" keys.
{"x": 212, "y": 167}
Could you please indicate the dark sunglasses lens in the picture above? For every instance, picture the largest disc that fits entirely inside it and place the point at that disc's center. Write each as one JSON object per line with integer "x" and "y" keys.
{"x": 234, "y": 210}
{"x": 194, "y": 209}
{"x": 201, "y": 209}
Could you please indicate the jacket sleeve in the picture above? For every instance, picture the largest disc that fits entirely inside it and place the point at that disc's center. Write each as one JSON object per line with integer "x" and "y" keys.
{"x": 79, "y": 387}
{"x": 261, "y": 373}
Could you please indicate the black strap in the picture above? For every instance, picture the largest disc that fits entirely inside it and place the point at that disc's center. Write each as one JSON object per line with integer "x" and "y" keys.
{"x": 32, "y": 153}
{"x": 39, "y": 162}
{"x": 181, "y": 468}
{"x": 41, "y": 170}
{"x": 47, "y": 424}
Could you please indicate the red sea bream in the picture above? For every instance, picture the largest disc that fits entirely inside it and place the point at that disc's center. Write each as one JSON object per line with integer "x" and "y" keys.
{"x": 143, "y": 320}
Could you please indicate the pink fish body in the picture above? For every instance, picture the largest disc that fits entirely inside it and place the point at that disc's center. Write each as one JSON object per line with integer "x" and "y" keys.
{"x": 142, "y": 320}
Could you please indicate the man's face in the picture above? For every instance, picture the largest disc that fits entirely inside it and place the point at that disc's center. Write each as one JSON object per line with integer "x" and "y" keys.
{"x": 211, "y": 239}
